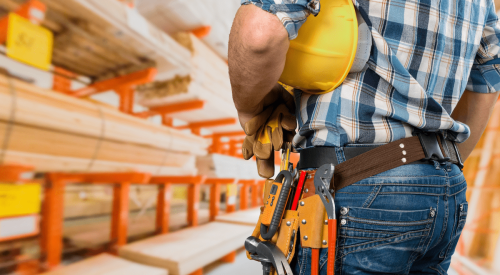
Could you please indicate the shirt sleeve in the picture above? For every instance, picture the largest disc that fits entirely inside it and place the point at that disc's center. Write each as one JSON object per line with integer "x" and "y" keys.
{"x": 485, "y": 73}
{"x": 292, "y": 13}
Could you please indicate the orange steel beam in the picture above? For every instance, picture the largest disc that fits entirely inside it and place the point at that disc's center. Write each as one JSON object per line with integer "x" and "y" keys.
{"x": 193, "y": 202}
{"x": 62, "y": 80}
{"x": 32, "y": 10}
{"x": 220, "y": 181}
{"x": 13, "y": 173}
{"x": 173, "y": 108}
{"x": 163, "y": 208}
{"x": 125, "y": 81}
{"x": 126, "y": 99}
{"x": 178, "y": 179}
{"x": 119, "y": 221}
{"x": 229, "y": 258}
{"x": 245, "y": 192}
{"x": 230, "y": 134}
{"x": 214, "y": 201}
{"x": 209, "y": 123}
{"x": 52, "y": 208}
{"x": 202, "y": 31}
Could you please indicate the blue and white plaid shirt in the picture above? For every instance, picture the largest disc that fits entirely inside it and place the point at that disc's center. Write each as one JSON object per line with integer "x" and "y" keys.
{"x": 425, "y": 53}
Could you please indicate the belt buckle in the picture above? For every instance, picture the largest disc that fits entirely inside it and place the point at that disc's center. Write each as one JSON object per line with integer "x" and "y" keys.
{"x": 430, "y": 145}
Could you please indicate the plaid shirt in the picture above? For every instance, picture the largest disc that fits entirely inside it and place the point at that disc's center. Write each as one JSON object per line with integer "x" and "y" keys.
{"x": 425, "y": 53}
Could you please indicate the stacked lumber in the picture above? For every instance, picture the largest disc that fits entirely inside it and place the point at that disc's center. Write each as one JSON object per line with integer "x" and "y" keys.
{"x": 186, "y": 251}
{"x": 106, "y": 264}
{"x": 222, "y": 166}
{"x": 481, "y": 235}
{"x": 177, "y": 15}
{"x": 55, "y": 132}
{"x": 208, "y": 81}
{"x": 105, "y": 38}
{"x": 244, "y": 217}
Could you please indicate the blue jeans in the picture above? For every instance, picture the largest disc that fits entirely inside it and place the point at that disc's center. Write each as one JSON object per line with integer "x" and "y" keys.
{"x": 403, "y": 221}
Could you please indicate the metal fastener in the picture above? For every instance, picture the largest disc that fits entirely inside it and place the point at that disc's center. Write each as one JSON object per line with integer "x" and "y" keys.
{"x": 324, "y": 242}
{"x": 309, "y": 176}
{"x": 404, "y": 152}
{"x": 433, "y": 213}
{"x": 344, "y": 210}
{"x": 288, "y": 223}
{"x": 461, "y": 207}
{"x": 304, "y": 221}
{"x": 326, "y": 221}
{"x": 306, "y": 191}
{"x": 305, "y": 238}
{"x": 401, "y": 145}
{"x": 302, "y": 203}
{"x": 343, "y": 222}
{"x": 403, "y": 160}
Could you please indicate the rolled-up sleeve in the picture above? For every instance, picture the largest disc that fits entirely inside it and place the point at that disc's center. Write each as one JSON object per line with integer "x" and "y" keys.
{"x": 485, "y": 73}
{"x": 292, "y": 13}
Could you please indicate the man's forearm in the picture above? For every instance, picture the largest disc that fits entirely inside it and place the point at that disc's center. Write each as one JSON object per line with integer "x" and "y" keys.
{"x": 257, "y": 51}
{"x": 474, "y": 109}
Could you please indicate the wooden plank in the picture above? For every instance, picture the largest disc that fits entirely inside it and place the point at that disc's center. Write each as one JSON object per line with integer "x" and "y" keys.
{"x": 185, "y": 251}
{"x": 106, "y": 264}
{"x": 244, "y": 217}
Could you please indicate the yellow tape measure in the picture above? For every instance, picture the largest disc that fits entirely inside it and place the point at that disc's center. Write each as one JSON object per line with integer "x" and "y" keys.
{"x": 29, "y": 43}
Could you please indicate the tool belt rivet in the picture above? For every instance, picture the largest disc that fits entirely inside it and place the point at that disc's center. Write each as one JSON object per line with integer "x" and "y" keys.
{"x": 324, "y": 242}
{"x": 288, "y": 223}
{"x": 304, "y": 221}
{"x": 344, "y": 210}
{"x": 306, "y": 238}
{"x": 403, "y": 160}
{"x": 306, "y": 191}
{"x": 302, "y": 203}
{"x": 404, "y": 153}
{"x": 401, "y": 145}
{"x": 343, "y": 222}
{"x": 326, "y": 221}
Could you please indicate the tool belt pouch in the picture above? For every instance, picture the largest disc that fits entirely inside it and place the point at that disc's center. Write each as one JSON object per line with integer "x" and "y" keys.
{"x": 256, "y": 231}
{"x": 312, "y": 225}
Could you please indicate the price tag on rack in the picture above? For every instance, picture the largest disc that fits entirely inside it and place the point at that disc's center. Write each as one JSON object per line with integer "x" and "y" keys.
{"x": 29, "y": 43}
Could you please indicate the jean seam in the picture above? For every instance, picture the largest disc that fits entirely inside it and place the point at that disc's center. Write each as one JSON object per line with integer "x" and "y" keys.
{"x": 442, "y": 253}
{"x": 371, "y": 198}
{"x": 368, "y": 248}
{"x": 433, "y": 268}
{"x": 420, "y": 248}
{"x": 388, "y": 223}
{"x": 395, "y": 235}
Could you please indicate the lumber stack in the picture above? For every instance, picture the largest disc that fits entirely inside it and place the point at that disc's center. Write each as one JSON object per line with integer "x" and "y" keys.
{"x": 55, "y": 132}
{"x": 105, "y": 38}
{"x": 106, "y": 264}
{"x": 222, "y": 166}
{"x": 177, "y": 15}
{"x": 208, "y": 81}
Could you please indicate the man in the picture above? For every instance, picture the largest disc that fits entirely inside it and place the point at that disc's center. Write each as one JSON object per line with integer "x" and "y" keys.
{"x": 434, "y": 67}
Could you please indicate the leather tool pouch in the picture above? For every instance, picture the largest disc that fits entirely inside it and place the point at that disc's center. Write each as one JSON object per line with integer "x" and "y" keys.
{"x": 312, "y": 225}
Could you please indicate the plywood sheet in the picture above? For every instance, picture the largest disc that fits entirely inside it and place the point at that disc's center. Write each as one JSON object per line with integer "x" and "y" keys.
{"x": 245, "y": 217}
{"x": 105, "y": 264}
{"x": 185, "y": 251}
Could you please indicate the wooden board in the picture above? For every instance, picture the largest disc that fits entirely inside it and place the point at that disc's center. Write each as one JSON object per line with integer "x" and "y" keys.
{"x": 244, "y": 217}
{"x": 222, "y": 166}
{"x": 106, "y": 264}
{"x": 185, "y": 251}
{"x": 103, "y": 39}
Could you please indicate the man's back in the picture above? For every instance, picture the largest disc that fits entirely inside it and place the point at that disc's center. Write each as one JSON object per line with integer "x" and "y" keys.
{"x": 419, "y": 66}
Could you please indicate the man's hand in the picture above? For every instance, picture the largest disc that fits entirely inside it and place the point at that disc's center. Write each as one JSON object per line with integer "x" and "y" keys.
{"x": 474, "y": 109}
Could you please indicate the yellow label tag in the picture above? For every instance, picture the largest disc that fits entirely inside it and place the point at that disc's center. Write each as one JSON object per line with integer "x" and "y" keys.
{"x": 29, "y": 43}
{"x": 19, "y": 199}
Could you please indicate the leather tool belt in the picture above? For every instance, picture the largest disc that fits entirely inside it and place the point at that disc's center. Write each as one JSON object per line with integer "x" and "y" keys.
{"x": 364, "y": 162}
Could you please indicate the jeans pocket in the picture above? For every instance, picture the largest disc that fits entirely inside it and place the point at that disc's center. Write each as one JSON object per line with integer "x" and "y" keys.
{"x": 386, "y": 241}
{"x": 458, "y": 228}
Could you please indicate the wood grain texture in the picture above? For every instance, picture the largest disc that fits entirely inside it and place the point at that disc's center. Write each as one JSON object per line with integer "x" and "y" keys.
{"x": 244, "y": 217}
{"x": 106, "y": 264}
{"x": 185, "y": 251}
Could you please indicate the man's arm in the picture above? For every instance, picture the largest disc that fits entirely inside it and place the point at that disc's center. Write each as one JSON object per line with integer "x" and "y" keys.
{"x": 258, "y": 44}
{"x": 474, "y": 109}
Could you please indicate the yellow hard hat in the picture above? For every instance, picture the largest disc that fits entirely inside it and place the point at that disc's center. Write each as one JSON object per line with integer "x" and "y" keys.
{"x": 320, "y": 58}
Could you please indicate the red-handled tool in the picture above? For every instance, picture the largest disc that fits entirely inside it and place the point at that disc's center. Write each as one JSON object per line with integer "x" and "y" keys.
{"x": 322, "y": 179}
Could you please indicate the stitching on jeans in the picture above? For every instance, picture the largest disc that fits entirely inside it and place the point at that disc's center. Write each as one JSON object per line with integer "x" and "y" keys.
{"x": 453, "y": 185}
{"x": 388, "y": 238}
{"x": 454, "y": 194}
{"x": 420, "y": 249}
{"x": 367, "y": 231}
{"x": 372, "y": 197}
{"x": 395, "y": 235}
{"x": 388, "y": 223}
{"x": 368, "y": 248}
{"x": 433, "y": 268}
{"x": 433, "y": 228}
{"x": 323, "y": 259}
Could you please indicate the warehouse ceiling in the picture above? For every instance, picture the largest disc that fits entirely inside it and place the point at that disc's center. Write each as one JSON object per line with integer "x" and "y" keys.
{"x": 181, "y": 15}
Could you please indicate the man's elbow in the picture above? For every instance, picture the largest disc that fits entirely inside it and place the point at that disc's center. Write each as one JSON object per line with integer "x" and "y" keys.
{"x": 257, "y": 31}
